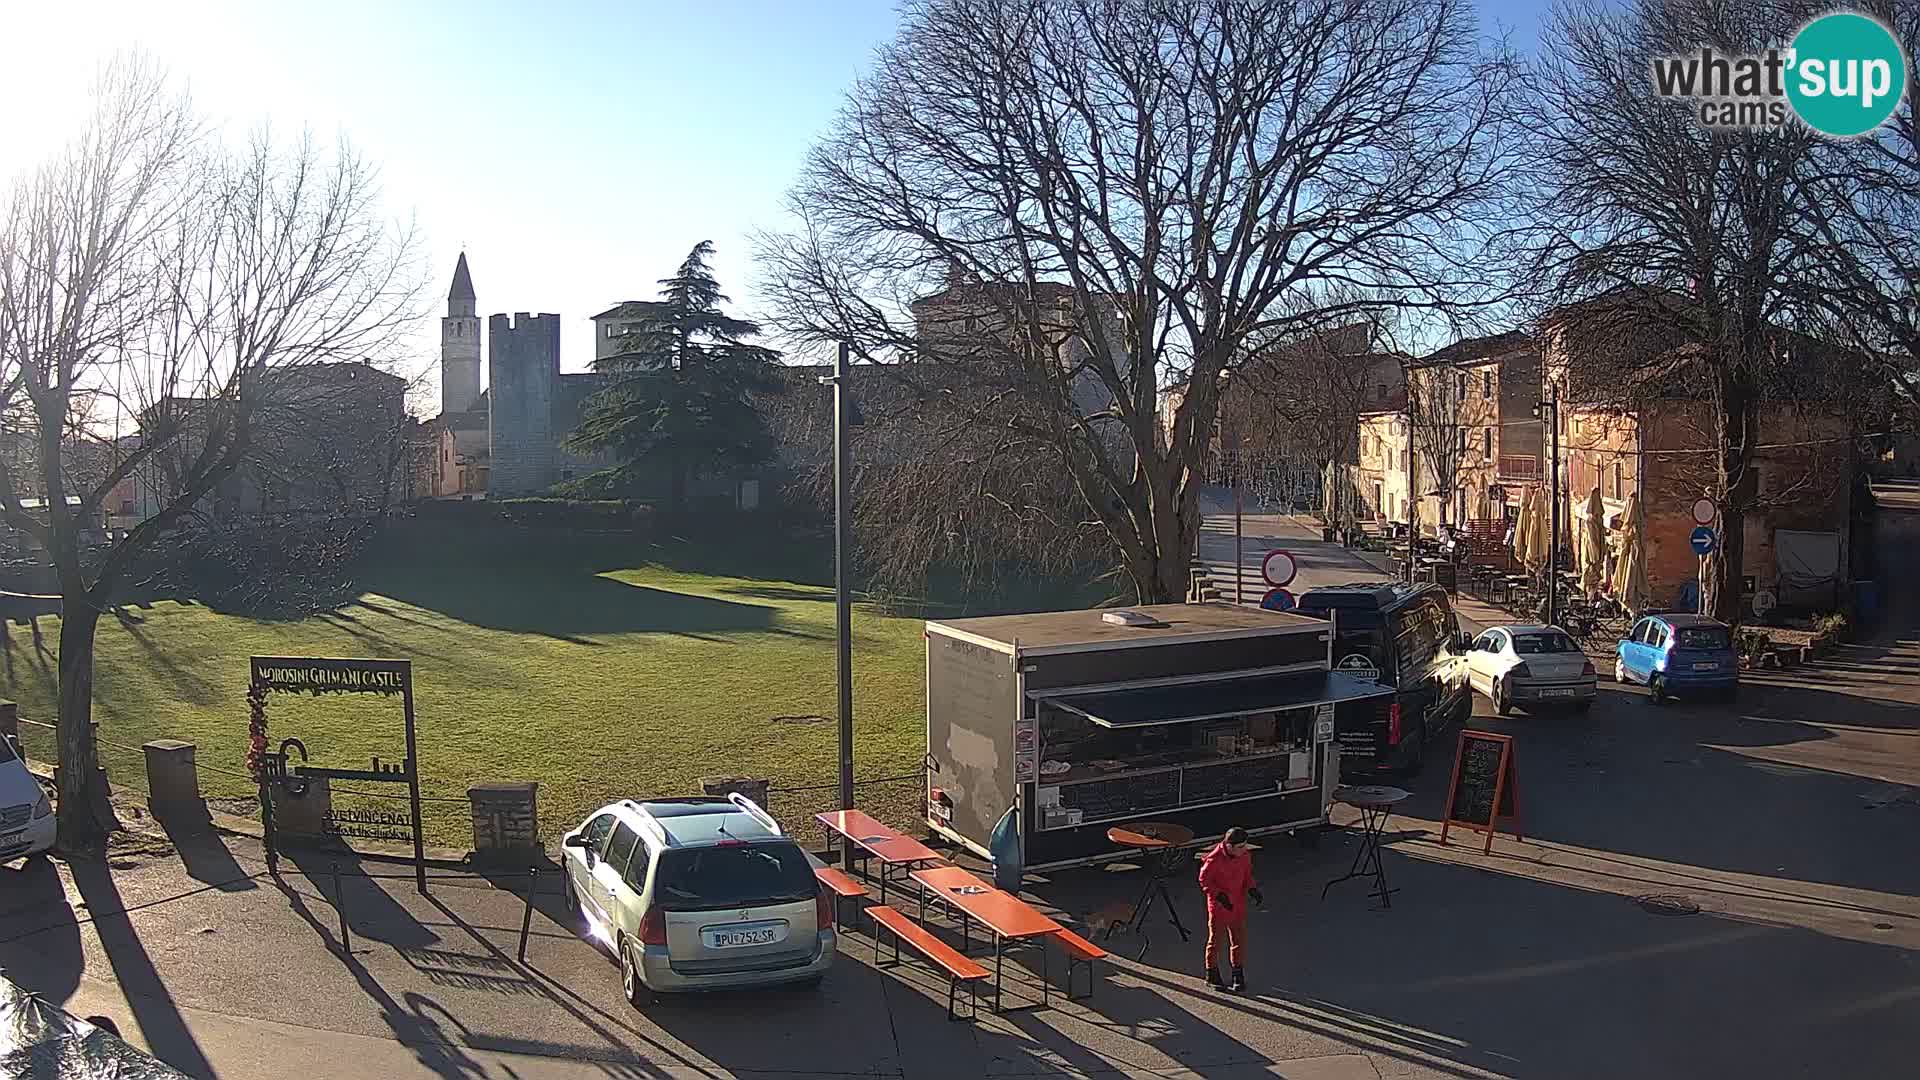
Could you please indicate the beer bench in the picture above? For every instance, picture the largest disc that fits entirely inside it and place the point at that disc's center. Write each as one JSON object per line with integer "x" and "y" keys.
{"x": 958, "y": 968}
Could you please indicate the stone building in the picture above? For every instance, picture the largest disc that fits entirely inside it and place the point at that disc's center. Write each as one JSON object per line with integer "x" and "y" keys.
{"x": 506, "y": 439}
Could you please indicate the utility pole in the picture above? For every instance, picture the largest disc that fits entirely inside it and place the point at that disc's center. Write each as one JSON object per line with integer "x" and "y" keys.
{"x": 1553, "y": 518}
{"x": 1413, "y": 494}
{"x": 842, "y": 588}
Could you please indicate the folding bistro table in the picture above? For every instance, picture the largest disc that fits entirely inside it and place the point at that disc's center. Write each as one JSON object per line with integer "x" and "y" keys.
{"x": 1009, "y": 917}
{"x": 1374, "y": 802}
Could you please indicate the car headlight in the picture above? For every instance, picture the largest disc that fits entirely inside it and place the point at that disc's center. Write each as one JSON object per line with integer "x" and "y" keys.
{"x": 42, "y": 808}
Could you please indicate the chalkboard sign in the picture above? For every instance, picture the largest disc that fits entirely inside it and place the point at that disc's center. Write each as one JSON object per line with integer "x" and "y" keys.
{"x": 1483, "y": 777}
{"x": 1123, "y": 796}
{"x": 1231, "y": 780}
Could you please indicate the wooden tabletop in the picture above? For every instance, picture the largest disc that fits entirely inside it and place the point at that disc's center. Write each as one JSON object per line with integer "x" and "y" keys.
{"x": 1003, "y": 913}
{"x": 887, "y": 844}
{"x": 1150, "y": 834}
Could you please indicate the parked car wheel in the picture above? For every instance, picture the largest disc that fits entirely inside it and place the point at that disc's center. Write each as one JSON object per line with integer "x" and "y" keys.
{"x": 636, "y": 992}
{"x": 1619, "y": 671}
{"x": 1657, "y": 689}
{"x": 1502, "y": 699}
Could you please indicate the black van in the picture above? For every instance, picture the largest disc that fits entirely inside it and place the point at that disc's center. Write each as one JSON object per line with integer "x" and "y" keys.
{"x": 1406, "y": 637}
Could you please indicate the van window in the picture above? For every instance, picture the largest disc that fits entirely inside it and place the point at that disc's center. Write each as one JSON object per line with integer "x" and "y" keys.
{"x": 1423, "y": 629}
{"x": 6, "y": 751}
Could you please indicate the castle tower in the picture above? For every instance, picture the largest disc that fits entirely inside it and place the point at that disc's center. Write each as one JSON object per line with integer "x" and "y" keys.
{"x": 460, "y": 345}
{"x": 524, "y": 365}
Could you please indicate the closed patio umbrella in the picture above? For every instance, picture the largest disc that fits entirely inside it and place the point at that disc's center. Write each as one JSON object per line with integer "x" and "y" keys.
{"x": 1629, "y": 573}
{"x": 1593, "y": 545}
{"x": 1523, "y": 528}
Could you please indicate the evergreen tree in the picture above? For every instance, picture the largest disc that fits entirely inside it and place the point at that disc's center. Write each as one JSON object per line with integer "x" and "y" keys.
{"x": 678, "y": 396}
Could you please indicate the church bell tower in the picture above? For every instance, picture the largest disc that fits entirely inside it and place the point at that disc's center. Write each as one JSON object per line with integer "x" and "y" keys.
{"x": 460, "y": 345}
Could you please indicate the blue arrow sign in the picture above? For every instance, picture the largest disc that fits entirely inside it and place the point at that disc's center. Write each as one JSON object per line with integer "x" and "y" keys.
{"x": 1703, "y": 541}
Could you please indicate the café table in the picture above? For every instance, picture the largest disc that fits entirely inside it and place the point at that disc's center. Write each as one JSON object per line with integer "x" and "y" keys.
{"x": 1375, "y": 802}
{"x": 894, "y": 849}
{"x": 1009, "y": 917}
{"x": 1161, "y": 844}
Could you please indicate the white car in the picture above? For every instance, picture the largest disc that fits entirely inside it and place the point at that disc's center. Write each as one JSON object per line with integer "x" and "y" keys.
{"x": 26, "y": 817}
{"x": 1530, "y": 665}
{"x": 702, "y": 893}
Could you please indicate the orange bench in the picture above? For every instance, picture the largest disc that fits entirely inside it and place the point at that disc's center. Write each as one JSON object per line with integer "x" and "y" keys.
{"x": 959, "y": 969}
{"x": 842, "y": 886}
{"x": 1079, "y": 951}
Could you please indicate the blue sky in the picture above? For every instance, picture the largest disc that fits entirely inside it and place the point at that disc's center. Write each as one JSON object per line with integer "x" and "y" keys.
{"x": 575, "y": 149}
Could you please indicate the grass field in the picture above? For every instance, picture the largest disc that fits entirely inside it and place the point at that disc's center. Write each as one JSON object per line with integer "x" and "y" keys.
{"x": 600, "y": 667}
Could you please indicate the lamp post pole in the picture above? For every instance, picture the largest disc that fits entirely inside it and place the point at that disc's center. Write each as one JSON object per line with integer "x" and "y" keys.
{"x": 1553, "y": 519}
{"x": 842, "y": 594}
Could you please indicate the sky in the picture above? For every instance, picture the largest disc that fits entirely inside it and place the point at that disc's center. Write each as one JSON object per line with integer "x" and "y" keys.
{"x": 576, "y": 150}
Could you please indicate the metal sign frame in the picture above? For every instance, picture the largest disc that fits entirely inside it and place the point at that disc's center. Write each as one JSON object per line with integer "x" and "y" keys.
{"x": 341, "y": 675}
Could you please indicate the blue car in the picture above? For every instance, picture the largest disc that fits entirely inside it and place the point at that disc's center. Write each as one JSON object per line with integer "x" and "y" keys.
{"x": 1678, "y": 655}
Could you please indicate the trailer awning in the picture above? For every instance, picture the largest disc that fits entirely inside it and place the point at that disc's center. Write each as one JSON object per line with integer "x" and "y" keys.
{"x": 1215, "y": 699}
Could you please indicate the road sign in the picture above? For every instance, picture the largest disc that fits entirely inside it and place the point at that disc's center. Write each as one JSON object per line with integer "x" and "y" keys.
{"x": 1358, "y": 664}
{"x": 1703, "y": 511}
{"x": 1702, "y": 541}
{"x": 1278, "y": 568}
{"x": 1763, "y": 602}
{"x": 1277, "y": 600}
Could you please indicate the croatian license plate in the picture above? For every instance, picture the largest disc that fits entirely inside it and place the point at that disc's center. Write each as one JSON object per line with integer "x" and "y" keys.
{"x": 744, "y": 935}
{"x": 1556, "y": 693}
{"x": 9, "y": 841}
{"x": 1707, "y": 665}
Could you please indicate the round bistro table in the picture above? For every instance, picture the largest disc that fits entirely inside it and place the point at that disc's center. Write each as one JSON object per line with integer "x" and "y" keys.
{"x": 1160, "y": 844}
{"x": 1375, "y": 802}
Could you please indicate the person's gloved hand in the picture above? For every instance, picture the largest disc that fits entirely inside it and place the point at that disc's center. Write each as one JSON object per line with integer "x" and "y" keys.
{"x": 1257, "y": 898}
{"x": 1224, "y": 902}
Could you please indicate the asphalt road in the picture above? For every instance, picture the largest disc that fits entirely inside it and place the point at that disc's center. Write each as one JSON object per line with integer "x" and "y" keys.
{"x": 1702, "y": 890}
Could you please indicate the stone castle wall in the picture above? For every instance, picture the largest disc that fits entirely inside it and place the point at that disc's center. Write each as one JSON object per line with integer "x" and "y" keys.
{"x": 523, "y": 368}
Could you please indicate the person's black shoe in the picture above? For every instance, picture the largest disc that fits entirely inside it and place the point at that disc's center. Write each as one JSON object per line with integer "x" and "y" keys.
{"x": 1239, "y": 980}
{"x": 1213, "y": 978}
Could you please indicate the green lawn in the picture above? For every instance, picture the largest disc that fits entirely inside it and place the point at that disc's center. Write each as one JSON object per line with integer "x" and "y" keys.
{"x": 599, "y": 667}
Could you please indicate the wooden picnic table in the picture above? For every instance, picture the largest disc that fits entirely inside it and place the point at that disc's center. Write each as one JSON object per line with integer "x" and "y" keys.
{"x": 874, "y": 839}
{"x": 1009, "y": 917}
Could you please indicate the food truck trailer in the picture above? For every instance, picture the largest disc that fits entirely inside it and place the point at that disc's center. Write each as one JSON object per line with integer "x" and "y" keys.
{"x": 1206, "y": 715}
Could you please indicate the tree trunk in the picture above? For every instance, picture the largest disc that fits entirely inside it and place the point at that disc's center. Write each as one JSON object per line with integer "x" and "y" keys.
{"x": 81, "y": 826}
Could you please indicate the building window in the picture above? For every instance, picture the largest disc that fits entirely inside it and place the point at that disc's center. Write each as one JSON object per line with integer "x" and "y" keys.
{"x": 1486, "y": 443}
{"x": 1486, "y": 385}
{"x": 1619, "y": 480}
{"x": 1460, "y": 386}
{"x": 1380, "y": 391}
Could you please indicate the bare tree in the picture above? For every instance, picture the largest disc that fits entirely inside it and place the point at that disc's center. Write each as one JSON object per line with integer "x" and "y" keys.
{"x": 1062, "y": 207}
{"x": 155, "y": 291}
{"x": 1677, "y": 255}
{"x": 1439, "y": 434}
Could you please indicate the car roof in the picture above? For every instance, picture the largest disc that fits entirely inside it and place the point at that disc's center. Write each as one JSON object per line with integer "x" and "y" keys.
{"x": 702, "y": 820}
{"x": 1529, "y": 628}
{"x": 1682, "y": 621}
{"x": 1381, "y": 595}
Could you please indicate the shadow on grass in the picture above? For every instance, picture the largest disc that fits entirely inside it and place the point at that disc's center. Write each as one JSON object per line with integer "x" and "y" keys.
{"x": 569, "y": 606}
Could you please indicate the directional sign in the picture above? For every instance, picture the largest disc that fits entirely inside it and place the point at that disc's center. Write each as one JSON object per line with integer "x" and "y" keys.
{"x": 1702, "y": 541}
{"x": 1763, "y": 602}
{"x": 1278, "y": 568}
{"x": 1703, "y": 511}
{"x": 1277, "y": 600}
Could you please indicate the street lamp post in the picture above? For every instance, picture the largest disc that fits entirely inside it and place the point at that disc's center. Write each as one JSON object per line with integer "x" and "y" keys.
{"x": 842, "y": 588}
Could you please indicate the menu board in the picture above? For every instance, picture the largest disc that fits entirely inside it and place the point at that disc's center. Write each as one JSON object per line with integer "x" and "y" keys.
{"x": 1483, "y": 778}
{"x": 1233, "y": 779}
{"x": 1123, "y": 795}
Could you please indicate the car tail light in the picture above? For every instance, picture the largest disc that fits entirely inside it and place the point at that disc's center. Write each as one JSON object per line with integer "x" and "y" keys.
{"x": 1520, "y": 671}
{"x": 1587, "y": 668}
{"x": 823, "y": 909}
{"x": 653, "y": 928}
{"x": 1393, "y": 724}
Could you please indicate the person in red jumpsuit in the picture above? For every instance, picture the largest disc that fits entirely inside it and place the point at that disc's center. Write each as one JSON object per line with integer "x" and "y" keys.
{"x": 1226, "y": 876}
